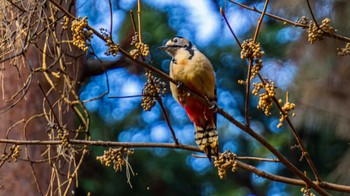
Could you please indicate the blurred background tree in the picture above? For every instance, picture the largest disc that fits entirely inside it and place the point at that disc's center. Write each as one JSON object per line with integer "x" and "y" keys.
{"x": 315, "y": 76}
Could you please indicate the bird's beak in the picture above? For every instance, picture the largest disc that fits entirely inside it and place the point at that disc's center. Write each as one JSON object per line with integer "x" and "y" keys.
{"x": 163, "y": 47}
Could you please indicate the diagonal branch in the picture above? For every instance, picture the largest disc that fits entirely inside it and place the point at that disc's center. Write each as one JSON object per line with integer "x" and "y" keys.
{"x": 229, "y": 26}
{"x": 159, "y": 99}
{"x": 312, "y": 14}
{"x": 260, "y": 21}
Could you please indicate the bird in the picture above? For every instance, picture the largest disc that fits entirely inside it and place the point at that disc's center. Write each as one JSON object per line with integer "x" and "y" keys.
{"x": 193, "y": 69}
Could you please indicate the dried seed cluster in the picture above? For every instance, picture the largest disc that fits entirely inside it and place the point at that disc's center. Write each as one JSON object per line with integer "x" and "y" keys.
{"x": 315, "y": 33}
{"x": 153, "y": 88}
{"x": 65, "y": 22}
{"x": 115, "y": 156}
{"x": 135, "y": 53}
{"x": 113, "y": 48}
{"x": 286, "y": 108}
{"x": 15, "y": 149}
{"x": 241, "y": 82}
{"x": 225, "y": 161}
{"x": 303, "y": 20}
{"x": 344, "y": 51}
{"x": 253, "y": 51}
{"x": 81, "y": 36}
{"x": 64, "y": 137}
{"x": 257, "y": 66}
{"x": 306, "y": 192}
{"x": 265, "y": 98}
{"x": 141, "y": 49}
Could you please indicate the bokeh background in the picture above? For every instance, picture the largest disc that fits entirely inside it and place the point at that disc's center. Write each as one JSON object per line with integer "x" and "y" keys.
{"x": 314, "y": 75}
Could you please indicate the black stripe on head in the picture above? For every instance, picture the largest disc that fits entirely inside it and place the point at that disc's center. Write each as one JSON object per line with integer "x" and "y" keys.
{"x": 177, "y": 37}
{"x": 189, "y": 48}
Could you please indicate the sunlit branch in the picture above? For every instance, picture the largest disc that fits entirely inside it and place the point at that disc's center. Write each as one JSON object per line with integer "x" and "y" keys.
{"x": 139, "y": 19}
{"x": 260, "y": 21}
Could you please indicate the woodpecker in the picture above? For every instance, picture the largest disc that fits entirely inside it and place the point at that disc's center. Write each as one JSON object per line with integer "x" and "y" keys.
{"x": 193, "y": 69}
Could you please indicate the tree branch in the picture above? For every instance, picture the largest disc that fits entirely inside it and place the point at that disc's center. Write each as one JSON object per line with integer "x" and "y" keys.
{"x": 292, "y": 181}
{"x": 332, "y": 35}
{"x": 273, "y": 177}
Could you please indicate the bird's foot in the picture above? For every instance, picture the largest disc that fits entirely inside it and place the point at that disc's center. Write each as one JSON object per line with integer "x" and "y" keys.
{"x": 179, "y": 85}
{"x": 213, "y": 106}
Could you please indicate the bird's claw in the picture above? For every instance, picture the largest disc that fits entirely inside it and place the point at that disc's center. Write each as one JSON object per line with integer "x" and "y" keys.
{"x": 179, "y": 84}
{"x": 213, "y": 105}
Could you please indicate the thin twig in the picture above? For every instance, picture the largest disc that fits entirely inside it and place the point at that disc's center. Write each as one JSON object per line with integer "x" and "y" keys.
{"x": 111, "y": 15}
{"x": 312, "y": 14}
{"x": 22, "y": 10}
{"x": 242, "y": 158}
{"x": 332, "y": 35}
{"x": 260, "y": 21}
{"x": 159, "y": 99}
{"x": 133, "y": 24}
{"x": 314, "y": 18}
{"x": 257, "y": 159}
{"x": 127, "y": 96}
{"x": 247, "y": 93}
{"x": 139, "y": 19}
{"x": 229, "y": 26}
{"x": 51, "y": 107}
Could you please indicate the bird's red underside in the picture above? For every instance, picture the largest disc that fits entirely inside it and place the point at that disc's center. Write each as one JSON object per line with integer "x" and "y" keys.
{"x": 197, "y": 111}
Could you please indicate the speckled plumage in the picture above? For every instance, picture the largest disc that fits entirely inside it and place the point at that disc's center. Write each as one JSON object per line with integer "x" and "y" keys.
{"x": 195, "y": 71}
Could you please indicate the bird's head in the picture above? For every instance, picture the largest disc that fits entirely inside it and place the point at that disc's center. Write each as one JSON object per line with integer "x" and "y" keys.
{"x": 176, "y": 43}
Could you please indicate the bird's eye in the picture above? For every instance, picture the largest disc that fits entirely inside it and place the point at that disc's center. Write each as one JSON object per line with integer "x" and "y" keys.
{"x": 175, "y": 40}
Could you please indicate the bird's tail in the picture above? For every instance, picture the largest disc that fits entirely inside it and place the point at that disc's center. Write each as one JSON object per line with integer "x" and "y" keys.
{"x": 207, "y": 139}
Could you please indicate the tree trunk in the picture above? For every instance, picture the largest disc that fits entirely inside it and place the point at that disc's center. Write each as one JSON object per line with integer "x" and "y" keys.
{"x": 38, "y": 83}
